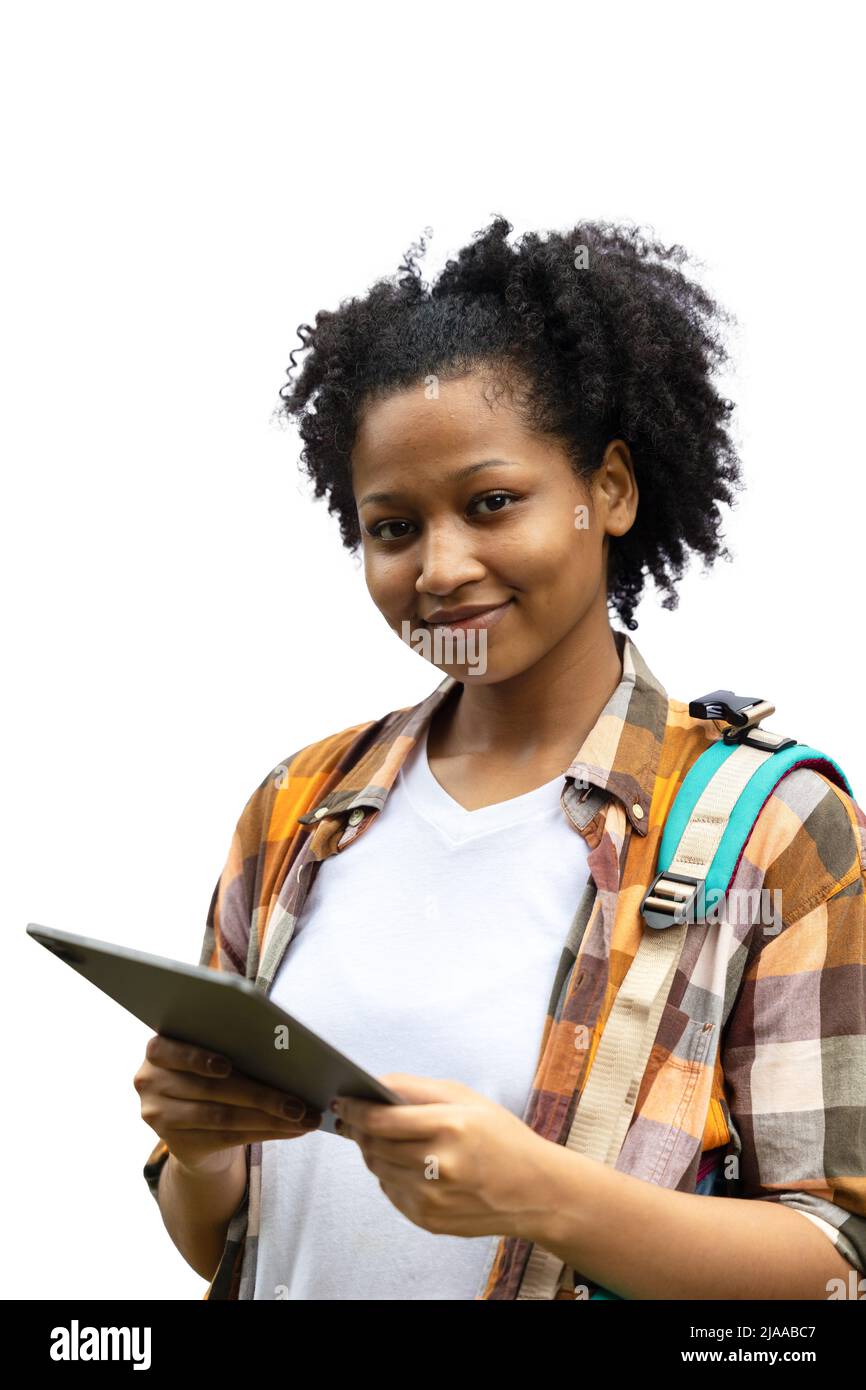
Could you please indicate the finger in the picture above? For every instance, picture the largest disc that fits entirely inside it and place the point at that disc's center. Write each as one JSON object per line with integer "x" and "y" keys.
{"x": 235, "y": 1090}
{"x": 182, "y": 1073}
{"x": 395, "y": 1176}
{"x": 393, "y": 1121}
{"x": 399, "y": 1155}
{"x": 176, "y": 1055}
{"x": 255, "y": 1136}
{"x": 214, "y": 1115}
{"x": 380, "y": 1165}
{"x": 421, "y": 1089}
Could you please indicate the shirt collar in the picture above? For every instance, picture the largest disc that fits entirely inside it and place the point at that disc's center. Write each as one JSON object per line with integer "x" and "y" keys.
{"x": 619, "y": 755}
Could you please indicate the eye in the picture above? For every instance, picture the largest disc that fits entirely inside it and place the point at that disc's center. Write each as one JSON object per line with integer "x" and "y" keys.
{"x": 491, "y": 496}
{"x": 376, "y": 531}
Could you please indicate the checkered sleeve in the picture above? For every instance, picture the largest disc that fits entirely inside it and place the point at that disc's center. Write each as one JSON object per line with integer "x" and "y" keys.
{"x": 794, "y": 1045}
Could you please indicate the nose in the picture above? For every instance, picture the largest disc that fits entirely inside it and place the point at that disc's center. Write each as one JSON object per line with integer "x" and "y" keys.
{"x": 448, "y": 561}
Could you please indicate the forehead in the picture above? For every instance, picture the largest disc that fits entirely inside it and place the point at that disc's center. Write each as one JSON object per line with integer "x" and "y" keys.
{"x": 435, "y": 423}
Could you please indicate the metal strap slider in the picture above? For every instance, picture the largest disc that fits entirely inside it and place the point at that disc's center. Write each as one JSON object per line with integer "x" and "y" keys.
{"x": 670, "y": 898}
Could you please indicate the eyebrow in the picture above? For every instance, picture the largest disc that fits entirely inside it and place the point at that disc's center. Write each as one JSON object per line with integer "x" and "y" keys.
{"x": 457, "y": 476}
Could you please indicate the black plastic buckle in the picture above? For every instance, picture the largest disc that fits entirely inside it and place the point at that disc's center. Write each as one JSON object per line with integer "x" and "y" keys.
{"x": 724, "y": 704}
{"x": 661, "y": 910}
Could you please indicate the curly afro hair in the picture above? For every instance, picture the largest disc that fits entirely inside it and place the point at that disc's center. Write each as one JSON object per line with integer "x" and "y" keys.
{"x": 612, "y": 341}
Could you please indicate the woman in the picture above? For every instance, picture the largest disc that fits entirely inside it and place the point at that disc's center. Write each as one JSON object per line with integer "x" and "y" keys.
{"x": 514, "y": 450}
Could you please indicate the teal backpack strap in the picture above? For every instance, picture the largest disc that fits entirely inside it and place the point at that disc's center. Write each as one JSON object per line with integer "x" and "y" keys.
{"x": 718, "y": 803}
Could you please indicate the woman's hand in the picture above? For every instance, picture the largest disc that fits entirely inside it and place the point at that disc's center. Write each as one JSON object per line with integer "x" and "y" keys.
{"x": 452, "y": 1161}
{"x": 204, "y": 1116}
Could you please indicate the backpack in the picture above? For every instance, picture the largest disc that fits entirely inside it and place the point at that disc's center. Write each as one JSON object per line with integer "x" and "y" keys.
{"x": 701, "y": 845}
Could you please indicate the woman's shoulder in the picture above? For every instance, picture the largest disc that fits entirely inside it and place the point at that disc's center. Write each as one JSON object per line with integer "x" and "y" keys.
{"x": 294, "y": 786}
{"x": 809, "y": 841}
{"x": 326, "y": 753}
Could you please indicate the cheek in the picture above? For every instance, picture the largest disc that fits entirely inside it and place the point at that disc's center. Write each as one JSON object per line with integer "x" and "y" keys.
{"x": 560, "y": 556}
{"x": 559, "y": 579}
{"x": 390, "y": 582}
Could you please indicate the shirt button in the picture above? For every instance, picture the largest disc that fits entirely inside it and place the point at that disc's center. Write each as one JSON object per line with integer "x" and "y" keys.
{"x": 356, "y": 815}
{"x": 320, "y": 811}
{"x": 637, "y": 810}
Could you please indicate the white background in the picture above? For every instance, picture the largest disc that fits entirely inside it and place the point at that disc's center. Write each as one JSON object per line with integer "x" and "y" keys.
{"x": 185, "y": 184}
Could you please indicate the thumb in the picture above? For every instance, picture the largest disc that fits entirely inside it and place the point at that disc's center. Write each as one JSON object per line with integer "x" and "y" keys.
{"x": 423, "y": 1090}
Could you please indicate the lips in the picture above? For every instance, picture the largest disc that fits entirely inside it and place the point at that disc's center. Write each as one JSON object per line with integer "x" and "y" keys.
{"x": 487, "y": 619}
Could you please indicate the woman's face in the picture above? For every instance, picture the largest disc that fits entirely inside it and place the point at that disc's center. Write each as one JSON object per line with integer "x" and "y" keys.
{"x": 518, "y": 530}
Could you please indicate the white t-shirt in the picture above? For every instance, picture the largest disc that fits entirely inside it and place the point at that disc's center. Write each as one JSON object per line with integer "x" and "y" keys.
{"x": 430, "y": 946}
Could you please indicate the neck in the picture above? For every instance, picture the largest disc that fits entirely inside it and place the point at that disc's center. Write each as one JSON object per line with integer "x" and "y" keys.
{"x": 551, "y": 706}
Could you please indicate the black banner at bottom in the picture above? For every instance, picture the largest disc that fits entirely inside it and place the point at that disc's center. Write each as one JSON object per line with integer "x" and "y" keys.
{"x": 63, "y": 1338}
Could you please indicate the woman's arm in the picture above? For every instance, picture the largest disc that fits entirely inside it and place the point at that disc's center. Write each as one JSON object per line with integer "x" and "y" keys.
{"x": 642, "y": 1241}
{"x": 198, "y": 1204}
{"x": 792, "y": 1056}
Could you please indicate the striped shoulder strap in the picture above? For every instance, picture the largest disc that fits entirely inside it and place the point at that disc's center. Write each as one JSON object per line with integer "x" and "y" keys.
{"x": 701, "y": 845}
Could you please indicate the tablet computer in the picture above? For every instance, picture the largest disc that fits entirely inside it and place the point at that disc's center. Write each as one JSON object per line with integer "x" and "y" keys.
{"x": 222, "y": 1012}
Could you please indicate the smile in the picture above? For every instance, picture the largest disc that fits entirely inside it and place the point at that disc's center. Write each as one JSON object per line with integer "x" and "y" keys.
{"x": 488, "y": 619}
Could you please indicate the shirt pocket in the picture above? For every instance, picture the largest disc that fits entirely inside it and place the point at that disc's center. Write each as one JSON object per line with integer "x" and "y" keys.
{"x": 680, "y": 1041}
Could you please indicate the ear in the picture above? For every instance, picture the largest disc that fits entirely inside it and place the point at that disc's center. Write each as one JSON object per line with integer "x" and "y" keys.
{"x": 616, "y": 490}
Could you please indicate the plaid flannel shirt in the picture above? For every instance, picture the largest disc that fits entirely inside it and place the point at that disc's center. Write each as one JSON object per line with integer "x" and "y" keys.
{"x": 756, "y": 1083}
